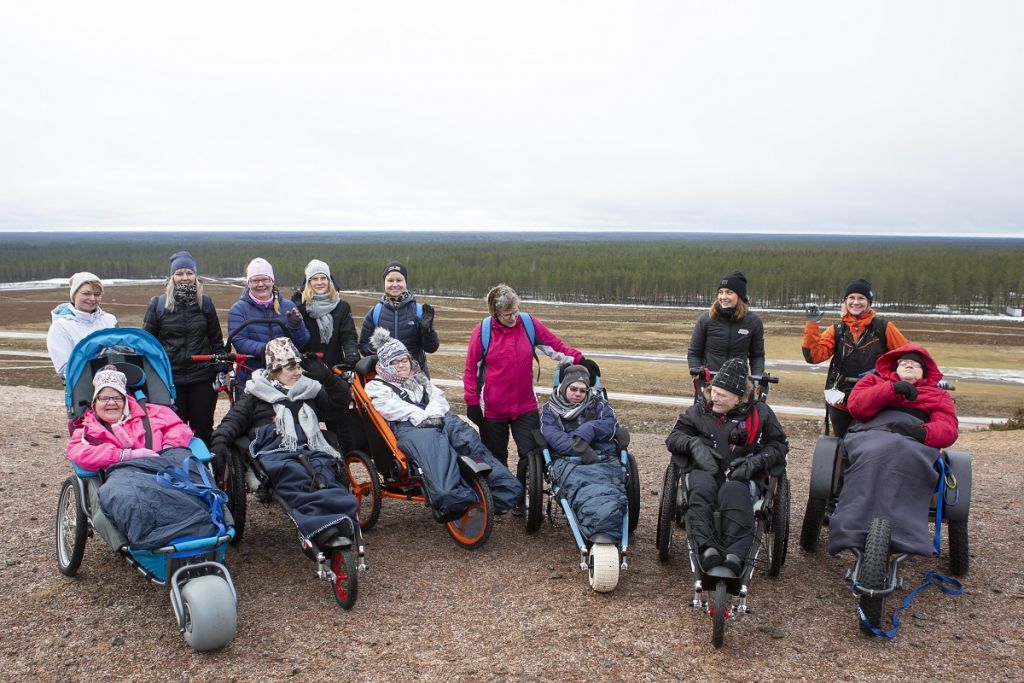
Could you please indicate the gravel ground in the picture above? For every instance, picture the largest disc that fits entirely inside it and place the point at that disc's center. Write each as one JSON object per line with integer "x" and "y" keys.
{"x": 518, "y": 609}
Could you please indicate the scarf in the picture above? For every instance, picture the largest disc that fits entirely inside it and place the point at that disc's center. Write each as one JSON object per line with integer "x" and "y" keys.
{"x": 185, "y": 294}
{"x": 319, "y": 309}
{"x": 725, "y": 313}
{"x": 567, "y": 411}
{"x": 395, "y": 302}
{"x": 415, "y": 382}
{"x": 260, "y": 302}
{"x": 304, "y": 390}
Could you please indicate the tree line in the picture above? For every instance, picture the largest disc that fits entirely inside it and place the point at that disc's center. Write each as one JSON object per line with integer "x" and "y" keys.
{"x": 907, "y": 275}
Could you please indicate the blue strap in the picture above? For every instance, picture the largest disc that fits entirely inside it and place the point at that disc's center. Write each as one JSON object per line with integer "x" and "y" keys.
{"x": 930, "y": 579}
{"x": 378, "y": 306}
{"x": 940, "y": 494}
{"x": 180, "y": 478}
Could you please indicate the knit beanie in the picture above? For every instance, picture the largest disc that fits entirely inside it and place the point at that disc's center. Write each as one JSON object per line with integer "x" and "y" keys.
{"x": 732, "y": 376}
{"x": 860, "y": 286}
{"x": 315, "y": 266}
{"x": 279, "y": 353}
{"x": 914, "y": 355}
{"x": 395, "y": 266}
{"x": 183, "y": 259}
{"x": 79, "y": 279}
{"x": 258, "y": 267}
{"x": 737, "y": 282}
{"x": 109, "y": 376}
{"x": 388, "y": 349}
{"x": 573, "y": 373}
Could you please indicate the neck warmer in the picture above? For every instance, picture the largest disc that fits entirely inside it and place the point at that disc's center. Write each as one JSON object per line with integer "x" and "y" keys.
{"x": 395, "y": 302}
{"x": 320, "y": 310}
{"x": 185, "y": 294}
{"x": 725, "y": 313}
{"x": 566, "y": 410}
{"x": 304, "y": 390}
{"x": 260, "y": 302}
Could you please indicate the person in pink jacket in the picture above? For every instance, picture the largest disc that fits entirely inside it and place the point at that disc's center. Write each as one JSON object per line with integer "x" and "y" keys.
{"x": 499, "y": 387}
{"x": 112, "y": 430}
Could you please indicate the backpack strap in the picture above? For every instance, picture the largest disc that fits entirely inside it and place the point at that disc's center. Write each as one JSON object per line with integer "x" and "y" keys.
{"x": 181, "y": 479}
{"x": 161, "y": 306}
{"x": 404, "y": 395}
{"x": 485, "y": 342}
{"x": 206, "y": 306}
{"x": 377, "y": 307}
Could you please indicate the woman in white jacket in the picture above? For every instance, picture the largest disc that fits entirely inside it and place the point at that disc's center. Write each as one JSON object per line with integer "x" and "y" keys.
{"x": 72, "y": 322}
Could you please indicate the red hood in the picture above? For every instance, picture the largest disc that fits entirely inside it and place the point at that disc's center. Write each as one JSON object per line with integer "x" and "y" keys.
{"x": 886, "y": 365}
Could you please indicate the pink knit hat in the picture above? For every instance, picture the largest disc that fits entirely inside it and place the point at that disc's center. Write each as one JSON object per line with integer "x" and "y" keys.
{"x": 259, "y": 267}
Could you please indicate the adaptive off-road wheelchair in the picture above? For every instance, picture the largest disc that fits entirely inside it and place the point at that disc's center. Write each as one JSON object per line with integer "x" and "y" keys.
{"x": 202, "y": 594}
{"x": 718, "y": 591}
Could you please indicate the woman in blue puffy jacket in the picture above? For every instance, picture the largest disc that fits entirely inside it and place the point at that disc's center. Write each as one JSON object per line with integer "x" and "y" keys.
{"x": 261, "y": 301}
{"x": 397, "y": 312}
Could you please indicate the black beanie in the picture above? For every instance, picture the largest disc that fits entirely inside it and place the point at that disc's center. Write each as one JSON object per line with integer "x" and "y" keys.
{"x": 395, "y": 266}
{"x": 914, "y": 355}
{"x": 732, "y": 376}
{"x": 737, "y": 282}
{"x": 860, "y": 286}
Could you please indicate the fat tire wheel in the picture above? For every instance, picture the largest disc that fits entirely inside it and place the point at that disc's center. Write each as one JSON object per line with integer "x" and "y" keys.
{"x": 779, "y": 531}
{"x": 810, "y": 530}
{"x": 473, "y": 528}
{"x": 363, "y": 481}
{"x": 718, "y": 611}
{"x": 603, "y": 567}
{"x": 210, "y": 615}
{"x": 533, "y": 494}
{"x": 71, "y": 528}
{"x": 345, "y": 586}
{"x": 874, "y": 570}
{"x": 632, "y": 491}
{"x": 959, "y": 548}
{"x": 667, "y": 512}
{"x": 234, "y": 485}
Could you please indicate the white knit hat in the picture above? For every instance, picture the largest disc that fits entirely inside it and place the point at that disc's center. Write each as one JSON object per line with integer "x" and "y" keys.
{"x": 79, "y": 279}
{"x": 315, "y": 266}
{"x": 109, "y": 376}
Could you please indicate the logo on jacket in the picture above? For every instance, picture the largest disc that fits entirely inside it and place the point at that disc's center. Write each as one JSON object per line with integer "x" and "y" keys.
{"x": 743, "y": 330}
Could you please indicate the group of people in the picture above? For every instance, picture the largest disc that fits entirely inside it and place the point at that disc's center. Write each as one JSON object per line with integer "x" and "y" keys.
{"x": 726, "y": 441}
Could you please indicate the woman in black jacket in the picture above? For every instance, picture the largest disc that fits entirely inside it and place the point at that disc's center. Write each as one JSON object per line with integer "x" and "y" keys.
{"x": 186, "y": 323}
{"x": 729, "y": 329}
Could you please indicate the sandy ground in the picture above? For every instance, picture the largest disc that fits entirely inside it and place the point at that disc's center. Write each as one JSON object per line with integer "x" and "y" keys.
{"x": 518, "y": 609}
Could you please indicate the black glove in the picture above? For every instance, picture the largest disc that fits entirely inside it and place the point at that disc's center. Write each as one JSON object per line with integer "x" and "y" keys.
{"x": 592, "y": 368}
{"x": 917, "y": 432}
{"x": 427, "y": 321}
{"x": 434, "y": 422}
{"x": 812, "y": 313}
{"x": 475, "y": 415}
{"x": 703, "y": 456}
{"x": 349, "y": 363}
{"x": 315, "y": 368}
{"x": 582, "y": 447}
{"x": 745, "y": 469}
{"x": 905, "y": 389}
{"x": 294, "y": 317}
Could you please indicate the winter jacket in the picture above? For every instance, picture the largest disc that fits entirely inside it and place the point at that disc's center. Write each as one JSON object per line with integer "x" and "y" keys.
{"x": 595, "y": 424}
{"x": 393, "y": 408}
{"x": 715, "y": 341}
{"x": 874, "y": 393}
{"x": 507, "y": 391}
{"x": 729, "y": 435}
{"x": 93, "y": 446}
{"x": 343, "y": 346}
{"x": 249, "y": 413}
{"x": 253, "y": 339}
{"x": 184, "y": 332}
{"x": 404, "y": 326}
{"x": 69, "y": 326}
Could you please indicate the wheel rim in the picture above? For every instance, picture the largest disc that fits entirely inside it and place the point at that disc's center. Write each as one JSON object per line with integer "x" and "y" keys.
{"x": 68, "y": 525}
{"x": 471, "y": 527}
{"x": 361, "y": 484}
{"x": 341, "y": 577}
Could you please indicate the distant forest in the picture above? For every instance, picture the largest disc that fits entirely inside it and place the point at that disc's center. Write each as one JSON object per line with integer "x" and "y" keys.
{"x": 919, "y": 275}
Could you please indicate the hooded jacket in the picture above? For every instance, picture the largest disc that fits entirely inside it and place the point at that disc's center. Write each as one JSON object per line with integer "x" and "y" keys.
{"x": 874, "y": 393}
{"x": 93, "y": 446}
{"x": 68, "y": 326}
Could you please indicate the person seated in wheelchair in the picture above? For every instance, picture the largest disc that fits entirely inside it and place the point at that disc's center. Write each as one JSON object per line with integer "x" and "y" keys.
{"x": 281, "y": 410}
{"x": 579, "y": 426}
{"x": 429, "y": 433}
{"x": 111, "y": 436}
{"x": 902, "y": 418}
{"x": 726, "y": 441}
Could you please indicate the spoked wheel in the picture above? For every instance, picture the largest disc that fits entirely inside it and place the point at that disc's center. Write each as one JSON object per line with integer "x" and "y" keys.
{"x": 346, "y": 578}
{"x": 233, "y": 483}
{"x": 874, "y": 570}
{"x": 210, "y": 617}
{"x": 667, "y": 512}
{"x": 719, "y": 611}
{"x": 810, "y": 530}
{"x": 603, "y": 567}
{"x": 71, "y": 528}
{"x": 364, "y": 483}
{"x": 473, "y": 528}
{"x": 533, "y": 501}
{"x": 959, "y": 549}
{"x": 632, "y": 491}
{"x": 778, "y": 533}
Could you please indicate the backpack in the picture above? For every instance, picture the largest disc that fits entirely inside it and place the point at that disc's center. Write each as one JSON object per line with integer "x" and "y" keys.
{"x": 161, "y": 306}
{"x": 876, "y": 330}
{"x": 375, "y": 316}
{"x": 485, "y": 341}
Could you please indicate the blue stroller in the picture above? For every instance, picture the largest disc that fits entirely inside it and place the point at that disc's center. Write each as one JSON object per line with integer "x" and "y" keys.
{"x": 202, "y": 593}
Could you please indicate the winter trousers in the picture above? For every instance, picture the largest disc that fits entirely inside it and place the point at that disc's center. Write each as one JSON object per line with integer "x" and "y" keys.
{"x": 195, "y": 404}
{"x": 494, "y": 433}
{"x": 709, "y": 493}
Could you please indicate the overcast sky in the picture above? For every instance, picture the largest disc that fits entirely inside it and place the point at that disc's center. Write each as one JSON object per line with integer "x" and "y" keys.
{"x": 879, "y": 116}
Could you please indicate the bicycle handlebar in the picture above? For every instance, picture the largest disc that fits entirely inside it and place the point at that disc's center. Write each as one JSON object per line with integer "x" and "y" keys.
{"x": 226, "y": 357}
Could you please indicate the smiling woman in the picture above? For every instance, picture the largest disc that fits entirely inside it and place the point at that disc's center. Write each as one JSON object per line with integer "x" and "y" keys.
{"x": 71, "y": 322}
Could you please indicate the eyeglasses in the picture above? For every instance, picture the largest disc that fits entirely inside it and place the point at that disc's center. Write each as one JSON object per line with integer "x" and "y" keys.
{"x": 116, "y": 400}
{"x": 505, "y": 315}
{"x": 261, "y": 281}
{"x": 404, "y": 360}
{"x": 576, "y": 390}
{"x": 909, "y": 364}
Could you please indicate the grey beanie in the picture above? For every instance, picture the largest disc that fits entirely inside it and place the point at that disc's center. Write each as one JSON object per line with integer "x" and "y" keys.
{"x": 732, "y": 376}
{"x": 573, "y": 373}
{"x": 315, "y": 266}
